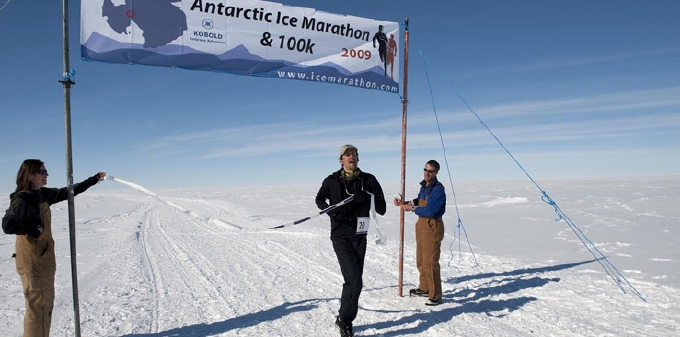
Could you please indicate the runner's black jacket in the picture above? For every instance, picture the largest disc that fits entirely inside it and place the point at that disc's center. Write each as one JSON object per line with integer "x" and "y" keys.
{"x": 344, "y": 219}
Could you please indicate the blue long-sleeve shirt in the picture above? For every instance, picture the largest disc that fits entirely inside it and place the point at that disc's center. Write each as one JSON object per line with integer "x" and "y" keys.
{"x": 436, "y": 200}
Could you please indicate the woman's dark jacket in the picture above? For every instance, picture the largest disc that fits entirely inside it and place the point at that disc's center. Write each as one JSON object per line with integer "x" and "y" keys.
{"x": 23, "y": 215}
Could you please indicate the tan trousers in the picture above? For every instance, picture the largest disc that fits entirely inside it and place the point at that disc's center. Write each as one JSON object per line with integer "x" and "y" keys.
{"x": 429, "y": 236}
{"x": 36, "y": 265}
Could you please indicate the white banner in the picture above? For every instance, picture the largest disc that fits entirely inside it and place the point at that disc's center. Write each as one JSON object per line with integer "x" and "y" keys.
{"x": 243, "y": 37}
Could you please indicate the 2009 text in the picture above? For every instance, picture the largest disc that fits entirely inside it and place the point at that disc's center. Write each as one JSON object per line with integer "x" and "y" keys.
{"x": 353, "y": 53}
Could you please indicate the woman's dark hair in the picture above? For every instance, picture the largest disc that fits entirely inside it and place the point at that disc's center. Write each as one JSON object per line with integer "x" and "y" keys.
{"x": 28, "y": 167}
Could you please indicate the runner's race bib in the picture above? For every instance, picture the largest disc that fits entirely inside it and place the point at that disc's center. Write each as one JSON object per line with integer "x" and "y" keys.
{"x": 362, "y": 225}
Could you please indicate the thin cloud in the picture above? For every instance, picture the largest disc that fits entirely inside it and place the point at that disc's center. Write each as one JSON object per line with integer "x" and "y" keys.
{"x": 562, "y": 63}
{"x": 653, "y": 112}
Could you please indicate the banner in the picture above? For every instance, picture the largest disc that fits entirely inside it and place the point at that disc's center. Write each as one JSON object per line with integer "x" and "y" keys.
{"x": 244, "y": 37}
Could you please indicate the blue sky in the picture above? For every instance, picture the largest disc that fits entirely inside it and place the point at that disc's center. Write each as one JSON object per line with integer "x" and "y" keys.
{"x": 572, "y": 89}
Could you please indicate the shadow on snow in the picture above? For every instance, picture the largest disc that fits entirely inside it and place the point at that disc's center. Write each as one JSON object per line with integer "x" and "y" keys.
{"x": 252, "y": 319}
{"x": 471, "y": 301}
{"x": 477, "y": 300}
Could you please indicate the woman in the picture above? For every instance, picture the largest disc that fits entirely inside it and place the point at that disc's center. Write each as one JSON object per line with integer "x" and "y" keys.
{"x": 29, "y": 217}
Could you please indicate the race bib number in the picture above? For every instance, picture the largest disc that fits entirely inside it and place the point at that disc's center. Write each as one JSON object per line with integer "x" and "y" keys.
{"x": 362, "y": 225}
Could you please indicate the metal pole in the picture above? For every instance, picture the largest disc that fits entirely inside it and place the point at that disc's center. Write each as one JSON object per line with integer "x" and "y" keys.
{"x": 67, "y": 82}
{"x": 404, "y": 103}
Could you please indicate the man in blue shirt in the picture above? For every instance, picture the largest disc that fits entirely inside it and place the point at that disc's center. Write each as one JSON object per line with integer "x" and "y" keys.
{"x": 429, "y": 207}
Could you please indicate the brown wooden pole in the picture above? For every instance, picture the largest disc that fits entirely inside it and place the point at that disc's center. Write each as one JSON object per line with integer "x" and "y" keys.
{"x": 404, "y": 104}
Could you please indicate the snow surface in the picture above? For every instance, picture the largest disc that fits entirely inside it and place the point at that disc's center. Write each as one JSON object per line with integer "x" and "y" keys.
{"x": 202, "y": 262}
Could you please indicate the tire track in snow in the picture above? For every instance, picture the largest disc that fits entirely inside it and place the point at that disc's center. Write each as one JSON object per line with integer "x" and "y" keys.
{"x": 179, "y": 271}
{"x": 152, "y": 268}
